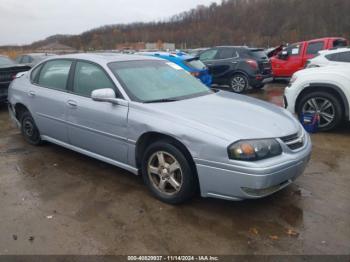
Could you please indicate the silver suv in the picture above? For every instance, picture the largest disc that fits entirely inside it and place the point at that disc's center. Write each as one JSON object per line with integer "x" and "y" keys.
{"x": 151, "y": 117}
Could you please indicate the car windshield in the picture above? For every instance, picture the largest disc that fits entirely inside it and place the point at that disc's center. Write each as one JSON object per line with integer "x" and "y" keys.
{"x": 157, "y": 81}
{"x": 4, "y": 61}
{"x": 195, "y": 64}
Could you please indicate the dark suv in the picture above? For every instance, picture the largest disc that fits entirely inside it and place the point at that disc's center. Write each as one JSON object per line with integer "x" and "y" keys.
{"x": 238, "y": 66}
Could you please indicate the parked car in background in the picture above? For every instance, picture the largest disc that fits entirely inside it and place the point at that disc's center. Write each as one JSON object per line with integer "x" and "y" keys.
{"x": 143, "y": 114}
{"x": 8, "y": 71}
{"x": 32, "y": 59}
{"x": 238, "y": 67}
{"x": 339, "y": 56}
{"x": 191, "y": 64}
{"x": 196, "y": 51}
{"x": 324, "y": 91}
{"x": 294, "y": 57}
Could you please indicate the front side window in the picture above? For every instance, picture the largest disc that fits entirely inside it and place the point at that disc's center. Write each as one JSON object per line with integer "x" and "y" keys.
{"x": 293, "y": 50}
{"x": 89, "y": 77}
{"x": 54, "y": 74}
{"x": 314, "y": 48}
{"x": 208, "y": 55}
{"x": 35, "y": 74}
{"x": 157, "y": 81}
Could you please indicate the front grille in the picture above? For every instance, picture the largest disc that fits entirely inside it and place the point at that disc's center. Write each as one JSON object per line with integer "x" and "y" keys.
{"x": 294, "y": 141}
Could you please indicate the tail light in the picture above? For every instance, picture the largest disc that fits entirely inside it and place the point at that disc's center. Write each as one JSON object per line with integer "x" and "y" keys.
{"x": 253, "y": 64}
{"x": 195, "y": 74}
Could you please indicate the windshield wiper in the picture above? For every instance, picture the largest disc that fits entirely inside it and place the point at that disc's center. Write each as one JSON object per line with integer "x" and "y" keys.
{"x": 165, "y": 100}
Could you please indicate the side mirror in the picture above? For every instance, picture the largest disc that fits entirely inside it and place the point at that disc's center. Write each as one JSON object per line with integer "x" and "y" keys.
{"x": 104, "y": 95}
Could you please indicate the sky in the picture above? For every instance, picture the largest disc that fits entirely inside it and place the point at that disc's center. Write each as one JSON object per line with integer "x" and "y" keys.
{"x": 22, "y": 22}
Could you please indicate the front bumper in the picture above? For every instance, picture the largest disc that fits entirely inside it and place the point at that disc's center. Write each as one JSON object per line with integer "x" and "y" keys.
{"x": 237, "y": 183}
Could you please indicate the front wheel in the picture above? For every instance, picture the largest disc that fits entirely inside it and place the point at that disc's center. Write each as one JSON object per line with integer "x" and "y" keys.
{"x": 168, "y": 174}
{"x": 326, "y": 105}
{"x": 239, "y": 83}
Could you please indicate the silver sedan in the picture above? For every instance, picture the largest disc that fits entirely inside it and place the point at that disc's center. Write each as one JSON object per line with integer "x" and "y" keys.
{"x": 152, "y": 118}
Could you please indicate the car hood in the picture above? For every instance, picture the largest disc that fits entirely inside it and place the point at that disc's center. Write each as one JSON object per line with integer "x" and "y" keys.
{"x": 229, "y": 116}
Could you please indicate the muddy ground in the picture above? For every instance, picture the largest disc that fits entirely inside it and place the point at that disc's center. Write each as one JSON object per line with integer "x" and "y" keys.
{"x": 54, "y": 201}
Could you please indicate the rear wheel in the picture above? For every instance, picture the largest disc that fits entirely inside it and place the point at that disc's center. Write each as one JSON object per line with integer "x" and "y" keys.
{"x": 29, "y": 129}
{"x": 239, "y": 83}
{"x": 326, "y": 105}
{"x": 168, "y": 173}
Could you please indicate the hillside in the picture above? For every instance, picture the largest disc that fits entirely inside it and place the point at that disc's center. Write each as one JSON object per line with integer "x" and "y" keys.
{"x": 251, "y": 22}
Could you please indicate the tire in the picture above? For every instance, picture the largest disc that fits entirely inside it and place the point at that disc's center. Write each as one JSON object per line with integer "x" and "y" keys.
{"x": 172, "y": 193}
{"x": 328, "y": 107}
{"x": 29, "y": 129}
{"x": 239, "y": 83}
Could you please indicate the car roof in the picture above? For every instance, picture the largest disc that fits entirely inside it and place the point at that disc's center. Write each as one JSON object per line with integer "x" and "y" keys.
{"x": 104, "y": 58}
{"x": 179, "y": 55}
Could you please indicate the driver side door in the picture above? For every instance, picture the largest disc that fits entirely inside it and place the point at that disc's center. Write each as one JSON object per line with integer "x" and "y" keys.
{"x": 98, "y": 127}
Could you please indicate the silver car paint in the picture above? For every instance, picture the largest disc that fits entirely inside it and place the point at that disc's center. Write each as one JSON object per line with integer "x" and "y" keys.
{"x": 206, "y": 126}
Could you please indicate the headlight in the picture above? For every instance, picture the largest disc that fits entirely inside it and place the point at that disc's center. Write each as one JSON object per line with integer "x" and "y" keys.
{"x": 254, "y": 150}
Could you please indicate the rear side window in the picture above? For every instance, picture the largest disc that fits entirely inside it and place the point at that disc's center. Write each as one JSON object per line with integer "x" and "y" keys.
{"x": 225, "y": 53}
{"x": 314, "y": 48}
{"x": 339, "y": 43}
{"x": 89, "y": 77}
{"x": 339, "y": 57}
{"x": 208, "y": 55}
{"x": 54, "y": 74}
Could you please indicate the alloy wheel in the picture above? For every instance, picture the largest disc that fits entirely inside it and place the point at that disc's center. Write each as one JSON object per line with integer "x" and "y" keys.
{"x": 323, "y": 107}
{"x": 238, "y": 84}
{"x": 165, "y": 173}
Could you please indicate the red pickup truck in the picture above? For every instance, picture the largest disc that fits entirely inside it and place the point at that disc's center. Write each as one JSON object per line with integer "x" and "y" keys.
{"x": 287, "y": 60}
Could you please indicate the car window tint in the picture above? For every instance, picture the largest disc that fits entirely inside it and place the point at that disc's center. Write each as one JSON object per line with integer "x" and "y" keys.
{"x": 25, "y": 59}
{"x": 55, "y": 74}
{"x": 293, "y": 50}
{"x": 89, "y": 77}
{"x": 225, "y": 53}
{"x": 208, "y": 55}
{"x": 339, "y": 57}
{"x": 314, "y": 48}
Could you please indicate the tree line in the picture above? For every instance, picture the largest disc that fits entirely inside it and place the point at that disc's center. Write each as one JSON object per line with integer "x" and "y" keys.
{"x": 233, "y": 22}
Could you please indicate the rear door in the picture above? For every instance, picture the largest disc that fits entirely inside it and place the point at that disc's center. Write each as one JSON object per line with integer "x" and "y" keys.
{"x": 221, "y": 64}
{"x": 98, "y": 127}
{"x": 312, "y": 49}
{"x": 48, "y": 94}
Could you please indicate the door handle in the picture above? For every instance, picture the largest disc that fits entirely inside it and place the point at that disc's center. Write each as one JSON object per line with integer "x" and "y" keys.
{"x": 72, "y": 103}
{"x": 31, "y": 93}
